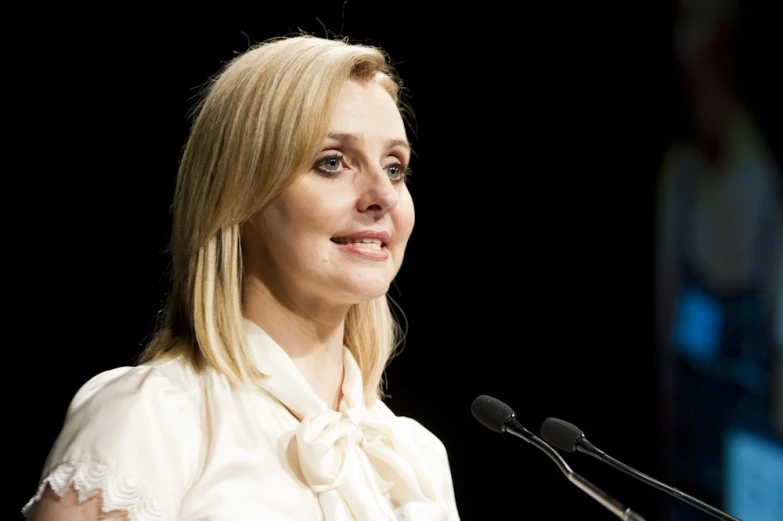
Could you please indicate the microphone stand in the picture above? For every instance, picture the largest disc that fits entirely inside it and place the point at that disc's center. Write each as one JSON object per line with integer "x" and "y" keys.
{"x": 626, "y": 514}
{"x": 584, "y": 446}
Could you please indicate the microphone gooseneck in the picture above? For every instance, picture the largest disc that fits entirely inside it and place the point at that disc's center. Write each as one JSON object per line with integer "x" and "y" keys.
{"x": 570, "y": 438}
{"x": 499, "y": 417}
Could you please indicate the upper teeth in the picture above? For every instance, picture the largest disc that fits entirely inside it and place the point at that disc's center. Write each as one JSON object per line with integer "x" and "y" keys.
{"x": 365, "y": 241}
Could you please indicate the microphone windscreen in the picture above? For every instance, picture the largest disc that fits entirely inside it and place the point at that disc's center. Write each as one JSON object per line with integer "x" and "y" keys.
{"x": 491, "y": 412}
{"x": 561, "y": 434}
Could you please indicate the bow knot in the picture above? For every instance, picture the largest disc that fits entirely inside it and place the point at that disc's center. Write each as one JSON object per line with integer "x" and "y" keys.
{"x": 359, "y": 464}
{"x": 324, "y": 442}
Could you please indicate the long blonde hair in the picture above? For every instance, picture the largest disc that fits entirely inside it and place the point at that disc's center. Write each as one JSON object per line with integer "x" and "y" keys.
{"x": 260, "y": 123}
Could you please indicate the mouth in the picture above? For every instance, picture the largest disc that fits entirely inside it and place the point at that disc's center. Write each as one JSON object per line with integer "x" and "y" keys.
{"x": 368, "y": 243}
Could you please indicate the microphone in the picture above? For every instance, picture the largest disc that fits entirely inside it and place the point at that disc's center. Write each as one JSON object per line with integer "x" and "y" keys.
{"x": 570, "y": 438}
{"x": 499, "y": 417}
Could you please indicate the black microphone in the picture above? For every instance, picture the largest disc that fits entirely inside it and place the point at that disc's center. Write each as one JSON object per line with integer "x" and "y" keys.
{"x": 499, "y": 417}
{"x": 570, "y": 438}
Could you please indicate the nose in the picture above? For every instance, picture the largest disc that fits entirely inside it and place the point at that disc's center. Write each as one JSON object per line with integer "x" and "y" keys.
{"x": 378, "y": 195}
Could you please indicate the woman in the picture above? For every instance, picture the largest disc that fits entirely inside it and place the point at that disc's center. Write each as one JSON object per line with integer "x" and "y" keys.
{"x": 260, "y": 396}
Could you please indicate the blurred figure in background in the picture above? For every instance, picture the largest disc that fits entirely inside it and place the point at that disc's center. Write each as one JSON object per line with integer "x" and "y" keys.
{"x": 777, "y": 394}
{"x": 719, "y": 244}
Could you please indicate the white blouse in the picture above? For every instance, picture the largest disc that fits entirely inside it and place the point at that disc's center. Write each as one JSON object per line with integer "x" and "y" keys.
{"x": 163, "y": 443}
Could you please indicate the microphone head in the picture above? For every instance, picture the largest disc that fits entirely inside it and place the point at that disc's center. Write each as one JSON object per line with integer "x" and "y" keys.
{"x": 491, "y": 413}
{"x": 561, "y": 434}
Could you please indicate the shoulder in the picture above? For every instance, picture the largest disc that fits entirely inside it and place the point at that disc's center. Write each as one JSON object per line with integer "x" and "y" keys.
{"x": 132, "y": 434}
{"x": 430, "y": 450}
{"x": 136, "y": 383}
{"x": 162, "y": 383}
{"x": 679, "y": 160}
{"x": 426, "y": 441}
{"x": 118, "y": 406}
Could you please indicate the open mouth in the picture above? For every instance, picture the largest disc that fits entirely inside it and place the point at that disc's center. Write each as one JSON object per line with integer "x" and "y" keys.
{"x": 370, "y": 244}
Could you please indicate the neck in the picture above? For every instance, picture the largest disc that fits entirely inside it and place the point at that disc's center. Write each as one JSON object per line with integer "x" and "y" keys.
{"x": 714, "y": 108}
{"x": 309, "y": 332}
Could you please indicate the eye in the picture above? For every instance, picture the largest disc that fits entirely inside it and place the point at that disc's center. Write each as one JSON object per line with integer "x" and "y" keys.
{"x": 397, "y": 171}
{"x": 330, "y": 165}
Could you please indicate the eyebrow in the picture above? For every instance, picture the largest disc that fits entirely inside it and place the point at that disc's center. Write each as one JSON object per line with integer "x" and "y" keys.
{"x": 353, "y": 138}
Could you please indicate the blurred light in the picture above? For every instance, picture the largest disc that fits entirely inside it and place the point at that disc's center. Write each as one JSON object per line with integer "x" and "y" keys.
{"x": 753, "y": 476}
{"x": 699, "y": 325}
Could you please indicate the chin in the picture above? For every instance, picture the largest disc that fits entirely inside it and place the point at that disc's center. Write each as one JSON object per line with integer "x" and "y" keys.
{"x": 366, "y": 289}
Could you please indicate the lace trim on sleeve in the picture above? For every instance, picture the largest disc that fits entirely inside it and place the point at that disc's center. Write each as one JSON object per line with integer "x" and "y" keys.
{"x": 89, "y": 479}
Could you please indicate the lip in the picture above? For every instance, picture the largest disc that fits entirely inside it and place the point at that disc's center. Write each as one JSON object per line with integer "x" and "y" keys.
{"x": 379, "y": 255}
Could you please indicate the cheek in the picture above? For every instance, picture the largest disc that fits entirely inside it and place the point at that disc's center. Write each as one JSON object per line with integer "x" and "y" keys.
{"x": 404, "y": 217}
{"x": 310, "y": 217}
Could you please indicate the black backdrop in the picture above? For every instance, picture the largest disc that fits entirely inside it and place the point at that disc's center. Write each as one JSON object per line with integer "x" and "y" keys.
{"x": 529, "y": 275}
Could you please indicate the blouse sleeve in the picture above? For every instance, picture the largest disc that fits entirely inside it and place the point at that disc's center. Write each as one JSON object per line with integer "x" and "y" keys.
{"x": 132, "y": 435}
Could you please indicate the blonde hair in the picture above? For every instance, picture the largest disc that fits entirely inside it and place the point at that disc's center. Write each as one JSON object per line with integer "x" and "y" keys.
{"x": 260, "y": 123}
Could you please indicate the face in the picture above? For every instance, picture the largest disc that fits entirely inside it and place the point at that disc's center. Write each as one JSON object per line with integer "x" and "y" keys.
{"x": 338, "y": 233}
{"x": 701, "y": 52}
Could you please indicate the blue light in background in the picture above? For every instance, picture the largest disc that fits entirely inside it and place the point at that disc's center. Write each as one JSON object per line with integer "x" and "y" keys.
{"x": 698, "y": 327}
{"x": 753, "y": 476}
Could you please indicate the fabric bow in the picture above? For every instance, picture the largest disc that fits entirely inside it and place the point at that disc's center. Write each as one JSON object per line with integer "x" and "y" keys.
{"x": 359, "y": 465}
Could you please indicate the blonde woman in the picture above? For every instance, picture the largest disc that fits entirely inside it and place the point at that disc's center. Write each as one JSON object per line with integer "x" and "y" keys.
{"x": 259, "y": 398}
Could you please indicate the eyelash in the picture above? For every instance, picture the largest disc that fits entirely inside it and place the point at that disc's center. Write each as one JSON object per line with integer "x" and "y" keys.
{"x": 405, "y": 174}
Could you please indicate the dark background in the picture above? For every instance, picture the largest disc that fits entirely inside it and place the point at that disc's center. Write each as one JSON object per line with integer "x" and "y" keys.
{"x": 529, "y": 276}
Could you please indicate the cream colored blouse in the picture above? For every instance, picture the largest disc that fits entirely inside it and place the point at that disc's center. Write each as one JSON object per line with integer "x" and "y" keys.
{"x": 163, "y": 443}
